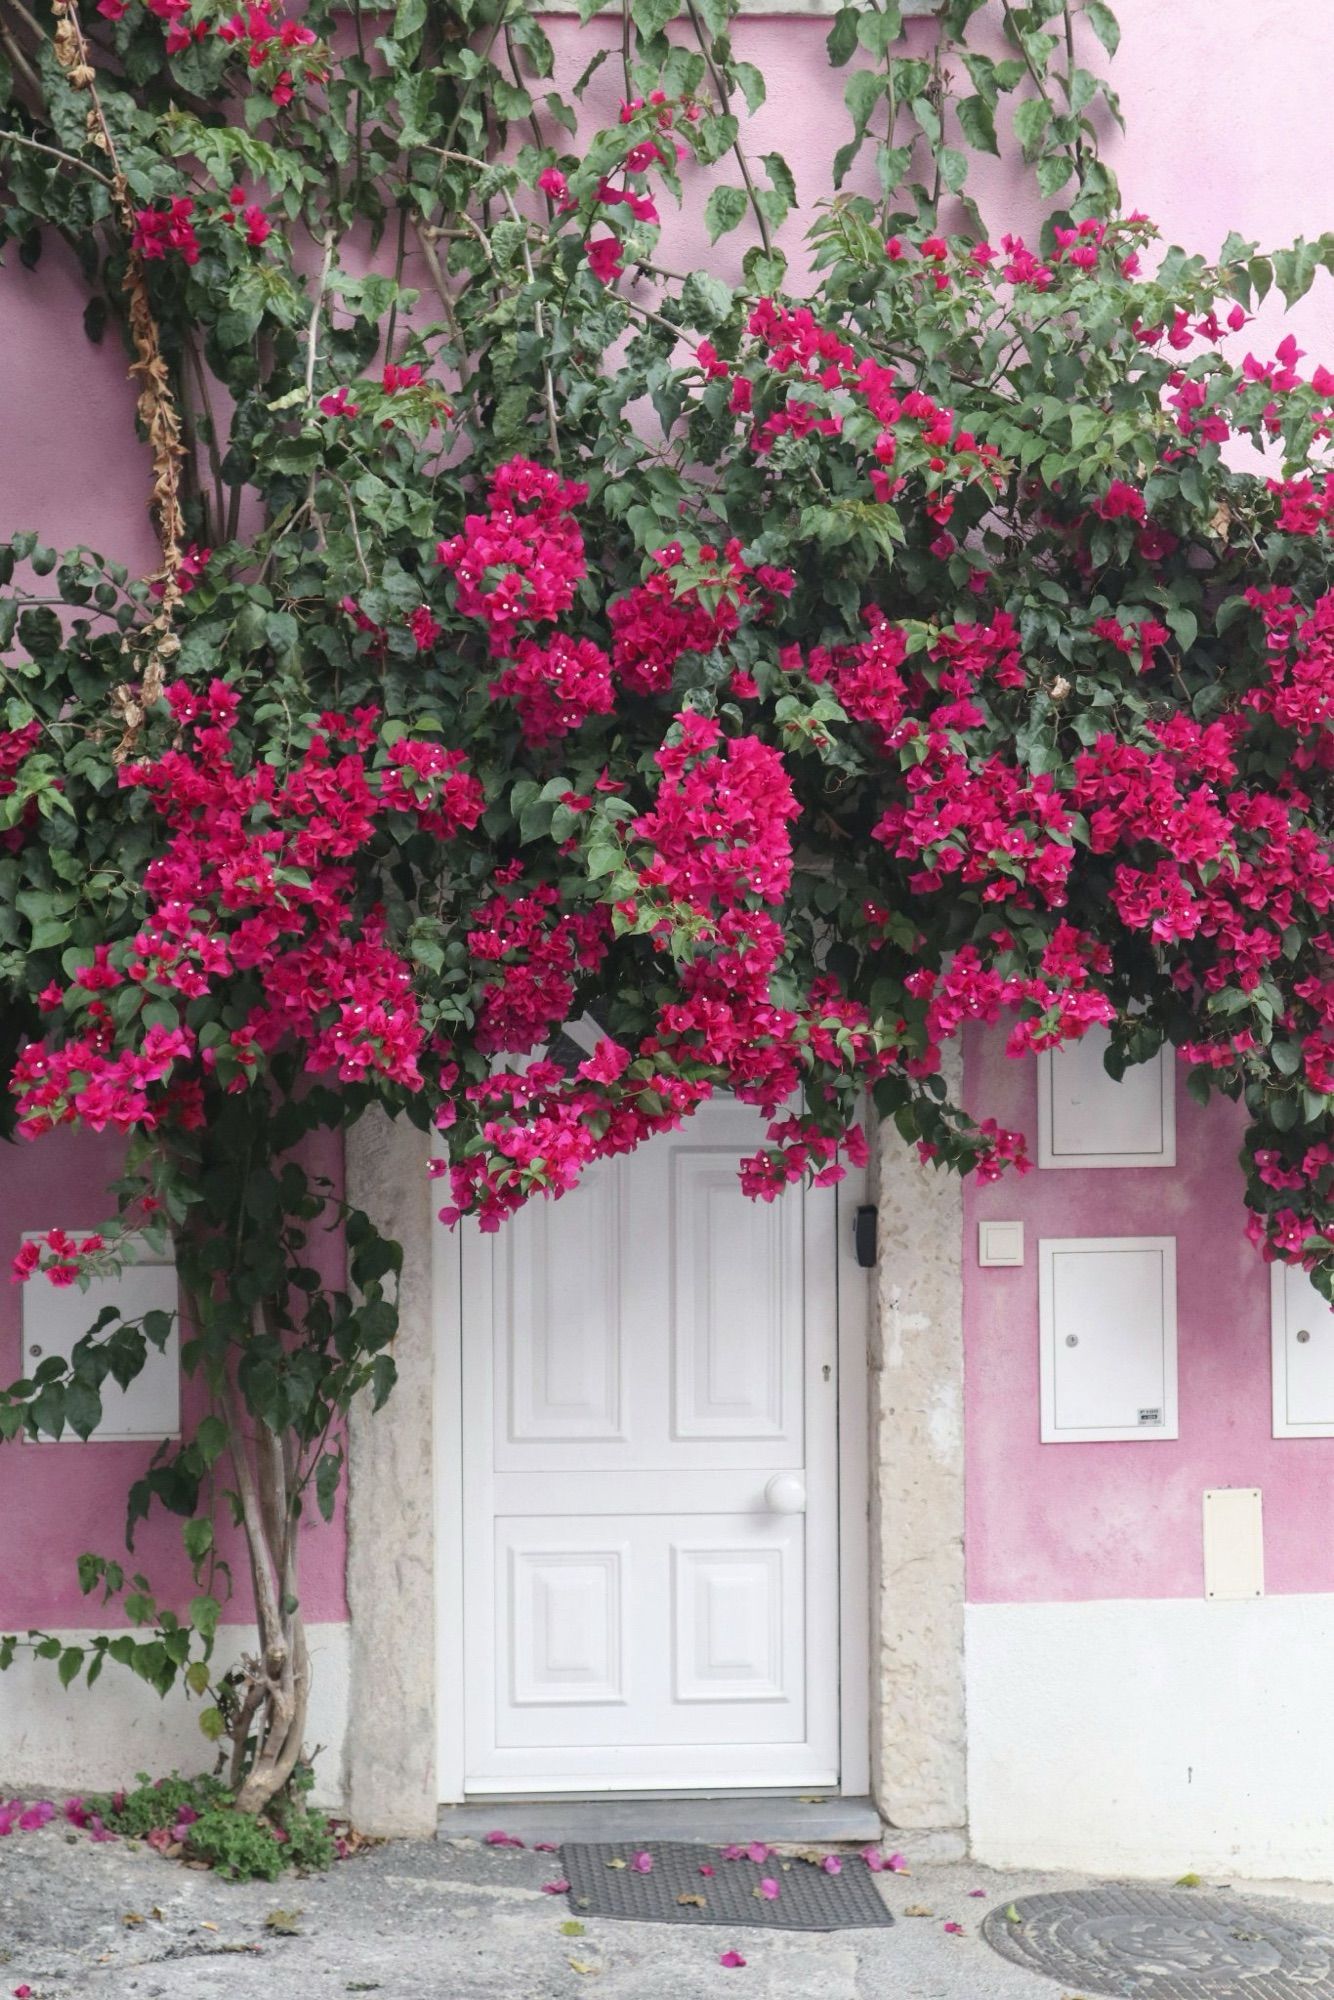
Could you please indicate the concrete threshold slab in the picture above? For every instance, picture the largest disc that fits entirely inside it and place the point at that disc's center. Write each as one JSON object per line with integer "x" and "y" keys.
{"x": 765, "y": 1816}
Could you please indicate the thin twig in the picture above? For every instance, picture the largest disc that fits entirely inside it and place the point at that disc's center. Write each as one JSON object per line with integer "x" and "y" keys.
{"x": 1070, "y": 89}
{"x": 52, "y": 152}
{"x": 725, "y": 96}
{"x": 352, "y": 523}
{"x": 312, "y": 337}
{"x": 432, "y": 262}
{"x": 398, "y": 279}
{"x": 211, "y": 441}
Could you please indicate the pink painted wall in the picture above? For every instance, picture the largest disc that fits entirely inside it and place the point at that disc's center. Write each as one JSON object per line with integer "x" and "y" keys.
{"x": 56, "y": 1500}
{"x": 1072, "y": 1521}
{"x": 1226, "y": 102}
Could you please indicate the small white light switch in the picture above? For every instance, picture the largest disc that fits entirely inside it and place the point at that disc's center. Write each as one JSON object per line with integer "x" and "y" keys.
{"x": 1234, "y": 1542}
{"x": 1000, "y": 1243}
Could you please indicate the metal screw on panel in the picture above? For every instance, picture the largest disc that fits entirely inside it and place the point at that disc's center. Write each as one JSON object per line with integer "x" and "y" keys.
{"x": 34, "y": 1349}
{"x": 1072, "y": 1340}
{"x": 1303, "y": 1334}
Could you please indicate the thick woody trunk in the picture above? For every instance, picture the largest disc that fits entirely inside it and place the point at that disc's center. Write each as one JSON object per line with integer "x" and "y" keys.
{"x": 277, "y": 1694}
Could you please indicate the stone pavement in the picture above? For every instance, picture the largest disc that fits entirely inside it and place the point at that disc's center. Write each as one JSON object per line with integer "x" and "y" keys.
{"x": 455, "y": 1921}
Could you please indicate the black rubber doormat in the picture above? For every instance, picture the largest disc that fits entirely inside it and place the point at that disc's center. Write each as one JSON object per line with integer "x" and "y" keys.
{"x": 684, "y": 1882}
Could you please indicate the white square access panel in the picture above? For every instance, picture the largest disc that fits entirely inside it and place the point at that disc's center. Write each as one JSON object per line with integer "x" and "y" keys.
{"x": 1234, "y": 1542}
{"x": 1000, "y": 1245}
{"x": 1087, "y": 1119}
{"x": 55, "y": 1319}
{"x": 1107, "y": 1322}
{"x": 1303, "y": 1355}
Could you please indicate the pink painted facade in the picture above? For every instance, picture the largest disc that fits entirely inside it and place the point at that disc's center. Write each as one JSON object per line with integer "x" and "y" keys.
{"x": 57, "y": 1500}
{"x": 1122, "y": 1520}
{"x": 1226, "y": 104}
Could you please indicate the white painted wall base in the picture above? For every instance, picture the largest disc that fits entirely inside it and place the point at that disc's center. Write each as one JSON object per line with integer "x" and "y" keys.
{"x": 77, "y": 1739}
{"x": 1153, "y": 1737}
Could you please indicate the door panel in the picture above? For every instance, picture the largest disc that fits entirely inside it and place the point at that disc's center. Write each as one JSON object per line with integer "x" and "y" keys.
{"x": 649, "y": 1378}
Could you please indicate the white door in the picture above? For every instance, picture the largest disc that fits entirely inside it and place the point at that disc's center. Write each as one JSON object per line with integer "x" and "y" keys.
{"x": 650, "y": 1547}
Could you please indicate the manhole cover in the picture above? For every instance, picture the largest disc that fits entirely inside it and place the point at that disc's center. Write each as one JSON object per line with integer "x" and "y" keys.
{"x": 1163, "y": 1944}
{"x": 604, "y": 1882}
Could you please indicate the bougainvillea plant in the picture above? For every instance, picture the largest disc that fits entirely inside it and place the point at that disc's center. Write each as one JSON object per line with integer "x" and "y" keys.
{"x": 779, "y": 673}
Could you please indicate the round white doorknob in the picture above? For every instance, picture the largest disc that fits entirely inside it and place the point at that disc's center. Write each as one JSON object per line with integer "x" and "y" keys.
{"x": 786, "y": 1493}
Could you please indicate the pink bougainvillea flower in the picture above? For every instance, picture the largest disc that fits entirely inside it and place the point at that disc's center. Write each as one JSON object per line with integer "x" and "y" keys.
{"x": 338, "y": 404}
{"x": 545, "y": 1847}
{"x": 769, "y": 1889}
{"x": 896, "y": 1864}
{"x": 955, "y": 1930}
{"x": 424, "y": 628}
{"x": 502, "y": 1840}
{"x": 706, "y": 1868}
{"x": 977, "y": 1892}
{"x": 642, "y": 1863}
{"x": 37, "y": 1814}
{"x": 832, "y": 1865}
{"x": 733, "y": 1852}
{"x": 730, "y": 1958}
{"x": 23, "y": 1992}
{"x": 758, "y": 1852}
{"x": 555, "y": 1888}
{"x": 159, "y": 230}
{"x": 604, "y": 259}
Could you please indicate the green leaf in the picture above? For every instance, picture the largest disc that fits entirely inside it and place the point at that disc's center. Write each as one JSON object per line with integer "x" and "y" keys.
{"x": 953, "y": 168}
{"x": 1053, "y": 171}
{"x": 205, "y": 1612}
{"x": 723, "y": 210}
{"x": 861, "y": 93}
{"x": 842, "y": 37}
{"x": 652, "y": 16}
{"x": 70, "y": 1662}
{"x": 1031, "y": 119}
{"x": 327, "y": 1474}
{"x": 1184, "y": 624}
{"x": 750, "y": 82}
{"x": 977, "y": 124}
{"x": 878, "y": 28}
{"x": 1104, "y": 24}
{"x": 83, "y": 1407}
{"x": 705, "y": 301}
{"x": 780, "y": 174}
{"x": 210, "y": 1440}
{"x": 198, "y": 1538}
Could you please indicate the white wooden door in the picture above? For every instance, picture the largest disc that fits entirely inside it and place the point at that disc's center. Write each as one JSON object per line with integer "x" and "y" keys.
{"x": 650, "y": 1547}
